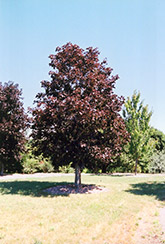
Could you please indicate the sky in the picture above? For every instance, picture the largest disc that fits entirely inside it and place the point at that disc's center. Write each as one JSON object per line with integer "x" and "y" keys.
{"x": 129, "y": 33}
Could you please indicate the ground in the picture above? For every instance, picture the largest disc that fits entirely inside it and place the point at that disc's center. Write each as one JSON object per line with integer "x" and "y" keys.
{"x": 70, "y": 189}
{"x": 148, "y": 226}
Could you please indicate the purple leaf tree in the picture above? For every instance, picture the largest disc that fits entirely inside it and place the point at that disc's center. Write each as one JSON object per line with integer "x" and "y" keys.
{"x": 77, "y": 117}
{"x": 13, "y": 124}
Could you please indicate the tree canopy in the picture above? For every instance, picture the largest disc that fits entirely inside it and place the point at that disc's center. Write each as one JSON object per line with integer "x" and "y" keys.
{"x": 137, "y": 119}
{"x": 159, "y": 138}
{"x": 12, "y": 125}
{"x": 77, "y": 116}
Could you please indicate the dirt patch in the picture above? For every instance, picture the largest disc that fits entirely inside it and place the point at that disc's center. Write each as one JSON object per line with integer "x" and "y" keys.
{"x": 149, "y": 229}
{"x": 71, "y": 189}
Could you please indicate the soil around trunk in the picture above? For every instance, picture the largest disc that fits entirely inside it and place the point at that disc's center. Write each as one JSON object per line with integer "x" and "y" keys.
{"x": 72, "y": 189}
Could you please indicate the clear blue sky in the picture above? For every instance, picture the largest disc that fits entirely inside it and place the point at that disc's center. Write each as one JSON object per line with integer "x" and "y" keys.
{"x": 129, "y": 33}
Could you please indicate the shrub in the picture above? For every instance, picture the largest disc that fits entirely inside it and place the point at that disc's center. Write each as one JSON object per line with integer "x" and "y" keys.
{"x": 66, "y": 168}
{"x": 157, "y": 164}
{"x": 46, "y": 166}
{"x": 32, "y": 165}
{"x": 86, "y": 170}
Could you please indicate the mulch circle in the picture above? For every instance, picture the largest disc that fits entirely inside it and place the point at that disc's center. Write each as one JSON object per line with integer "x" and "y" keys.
{"x": 71, "y": 189}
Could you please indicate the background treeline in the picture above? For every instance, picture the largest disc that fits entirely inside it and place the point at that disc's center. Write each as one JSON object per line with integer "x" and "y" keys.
{"x": 146, "y": 142}
{"x": 79, "y": 124}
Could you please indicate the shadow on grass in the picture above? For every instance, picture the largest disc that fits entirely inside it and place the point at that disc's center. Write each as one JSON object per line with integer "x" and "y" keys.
{"x": 29, "y": 188}
{"x": 43, "y": 188}
{"x": 150, "y": 189}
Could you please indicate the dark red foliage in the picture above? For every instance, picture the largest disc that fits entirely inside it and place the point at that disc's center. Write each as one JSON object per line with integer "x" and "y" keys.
{"x": 77, "y": 116}
{"x": 12, "y": 124}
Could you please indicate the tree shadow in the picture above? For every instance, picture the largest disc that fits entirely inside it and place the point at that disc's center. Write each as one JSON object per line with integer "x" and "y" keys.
{"x": 28, "y": 188}
{"x": 150, "y": 189}
{"x": 44, "y": 188}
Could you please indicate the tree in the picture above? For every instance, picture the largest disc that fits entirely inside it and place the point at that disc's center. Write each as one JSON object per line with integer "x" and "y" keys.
{"x": 12, "y": 125}
{"x": 77, "y": 116}
{"x": 157, "y": 163}
{"x": 159, "y": 138}
{"x": 137, "y": 118}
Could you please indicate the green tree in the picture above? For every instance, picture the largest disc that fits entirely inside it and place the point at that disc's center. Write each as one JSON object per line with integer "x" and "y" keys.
{"x": 157, "y": 163}
{"x": 159, "y": 138}
{"x": 137, "y": 118}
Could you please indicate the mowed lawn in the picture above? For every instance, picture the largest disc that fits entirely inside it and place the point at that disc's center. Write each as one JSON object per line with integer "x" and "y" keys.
{"x": 125, "y": 214}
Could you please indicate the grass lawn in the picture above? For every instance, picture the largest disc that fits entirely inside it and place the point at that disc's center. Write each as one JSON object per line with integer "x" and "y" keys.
{"x": 126, "y": 214}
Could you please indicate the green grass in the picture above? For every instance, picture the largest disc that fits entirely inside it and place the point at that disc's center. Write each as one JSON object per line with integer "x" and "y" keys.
{"x": 30, "y": 216}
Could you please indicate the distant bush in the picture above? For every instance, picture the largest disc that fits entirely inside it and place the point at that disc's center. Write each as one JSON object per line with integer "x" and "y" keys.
{"x": 85, "y": 170}
{"x": 46, "y": 166}
{"x": 66, "y": 169}
{"x": 32, "y": 164}
{"x": 157, "y": 164}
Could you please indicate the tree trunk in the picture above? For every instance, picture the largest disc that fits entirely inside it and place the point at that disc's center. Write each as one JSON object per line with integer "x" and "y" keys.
{"x": 77, "y": 176}
{"x": 136, "y": 163}
{"x": 104, "y": 168}
{"x": 2, "y": 169}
